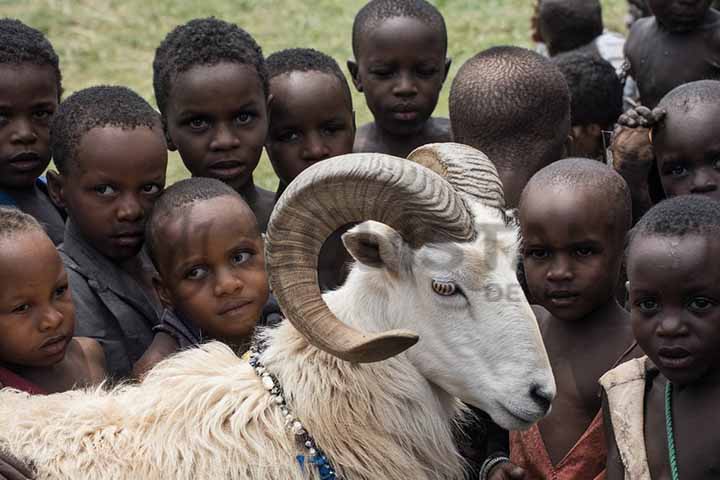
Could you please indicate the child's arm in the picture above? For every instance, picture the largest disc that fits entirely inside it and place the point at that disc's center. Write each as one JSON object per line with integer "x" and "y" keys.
{"x": 94, "y": 360}
{"x": 162, "y": 346}
{"x": 615, "y": 468}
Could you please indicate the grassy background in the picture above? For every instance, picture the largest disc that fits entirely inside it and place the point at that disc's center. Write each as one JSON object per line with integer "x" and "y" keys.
{"x": 113, "y": 41}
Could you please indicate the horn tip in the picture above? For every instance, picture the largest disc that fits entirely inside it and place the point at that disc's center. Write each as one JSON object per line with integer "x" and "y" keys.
{"x": 381, "y": 346}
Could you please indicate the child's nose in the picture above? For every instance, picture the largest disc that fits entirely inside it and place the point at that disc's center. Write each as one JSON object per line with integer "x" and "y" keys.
{"x": 224, "y": 139}
{"x": 23, "y": 133}
{"x": 671, "y": 326}
{"x": 50, "y": 319}
{"x": 560, "y": 269}
{"x": 405, "y": 86}
{"x": 703, "y": 182}
{"x": 226, "y": 283}
{"x": 314, "y": 149}
{"x": 129, "y": 209}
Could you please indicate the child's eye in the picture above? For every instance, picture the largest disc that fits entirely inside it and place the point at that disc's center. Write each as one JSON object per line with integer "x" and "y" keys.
{"x": 196, "y": 273}
{"x": 288, "y": 136}
{"x": 198, "y": 123}
{"x": 60, "y": 291}
{"x": 42, "y": 114}
{"x": 21, "y": 308}
{"x": 151, "y": 189}
{"x": 244, "y": 118}
{"x": 332, "y": 129}
{"x": 648, "y": 306}
{"x": 678, "y": 171}
{"x": 240, "y": 258}
{"x": 427, "y": 71}
{"x": 381, "y": 72}
{"x": 584, "y": 251}
{"x": 716, "y": 164}
{"x": 700, "y": 304}
{"x": 537, "y": 253}
{"x": 104, "y": 190}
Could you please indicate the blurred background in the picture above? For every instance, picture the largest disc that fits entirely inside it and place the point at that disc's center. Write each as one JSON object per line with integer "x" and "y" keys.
{"x": 113, "y": 41}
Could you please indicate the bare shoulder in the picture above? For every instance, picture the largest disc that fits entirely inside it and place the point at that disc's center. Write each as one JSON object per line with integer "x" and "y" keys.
{"x": 365, "y": 139}
{"x": 91, "y": 357}
{"x": 542, "y": 316}
{"x": 638, "y": 35}
{"x": 439, "y": 130}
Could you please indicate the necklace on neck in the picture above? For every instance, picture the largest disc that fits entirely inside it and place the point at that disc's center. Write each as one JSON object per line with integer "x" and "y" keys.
{"x": 271, "y": 384}
{"x": 672, "y": 453}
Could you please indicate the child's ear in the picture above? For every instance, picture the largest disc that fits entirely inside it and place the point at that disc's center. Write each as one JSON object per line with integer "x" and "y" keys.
{"x": 55, "y": 182}
{"x": 354, "y": 74}
{"x": 269, "y": 103}
{"x": 162, "y": 291}
{"x": 448, "y": 63}
{"x": 568, "y": 148}
{"x": 170, "y": 144}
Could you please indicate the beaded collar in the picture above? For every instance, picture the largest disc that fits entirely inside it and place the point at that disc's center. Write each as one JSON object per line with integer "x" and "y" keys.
{"x": 271, "y": 384}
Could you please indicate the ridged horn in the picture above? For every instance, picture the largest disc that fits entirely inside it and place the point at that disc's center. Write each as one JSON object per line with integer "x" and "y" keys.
{"x": 469, "y": 171}
{"x": 353, "y": 188}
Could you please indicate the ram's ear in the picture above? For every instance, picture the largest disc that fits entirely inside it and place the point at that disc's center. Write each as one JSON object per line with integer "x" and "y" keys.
{"x": 376, "y": 245}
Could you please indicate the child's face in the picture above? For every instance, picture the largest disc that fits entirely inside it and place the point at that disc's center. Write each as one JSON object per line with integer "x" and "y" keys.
{"x": 687, "y": 150}
{"x": 111, "y": 186}
{"x": 28, "y": 99}
{"x": 401, "y": 67}
{"x": 679, "y": 14}
{"x": 674, "y": 286}
{"x": 571, "y": 251}
{"x": 37, "y": 316}
{"x": 311, "y": 119}
{"x": 215, "y": 277}
{"x": 217, "y": 119}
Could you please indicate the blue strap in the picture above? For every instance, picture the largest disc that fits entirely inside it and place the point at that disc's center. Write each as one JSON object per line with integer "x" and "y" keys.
{"x": 6, "y": 200}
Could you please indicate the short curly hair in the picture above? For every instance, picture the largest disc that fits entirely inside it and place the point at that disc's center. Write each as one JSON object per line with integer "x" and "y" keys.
{"x": 20, "y": 43}
{"x": 569, "y": 24}
{"x": 514, "y": 105}
{"x": 96, "y": 107}
{"x": 679, "y": 216}
{"x": 305, "y": 60}
{"x": 595, "y": 89}
{"x": 377, "y": 11}
{"x": 14, "y": 221}
{"x": 203, "y": 41}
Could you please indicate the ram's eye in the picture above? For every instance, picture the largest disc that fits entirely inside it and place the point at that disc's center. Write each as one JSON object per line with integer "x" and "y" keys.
{"x": 444, "y": 288}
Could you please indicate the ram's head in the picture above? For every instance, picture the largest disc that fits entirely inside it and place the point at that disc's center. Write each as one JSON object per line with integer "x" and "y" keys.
{"x": 435, "y": 254}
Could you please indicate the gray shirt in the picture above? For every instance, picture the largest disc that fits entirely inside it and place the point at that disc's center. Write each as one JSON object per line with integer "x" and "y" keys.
{"x": 110, "y": 305}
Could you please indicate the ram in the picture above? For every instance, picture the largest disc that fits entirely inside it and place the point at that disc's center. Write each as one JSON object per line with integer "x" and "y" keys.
{"x": 361, "y": 383}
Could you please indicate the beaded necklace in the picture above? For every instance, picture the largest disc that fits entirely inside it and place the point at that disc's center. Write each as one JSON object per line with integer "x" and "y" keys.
{"x": 271, "y": 384}
{"x": 670, "y": 432}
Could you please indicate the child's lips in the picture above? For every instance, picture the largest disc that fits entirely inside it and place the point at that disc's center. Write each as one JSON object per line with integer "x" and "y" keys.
{"x": 55, "y": 344}
{"x": 26, "y": 161}
{"x": 227, "y": 168}
{"x": 235, "y": 307}
{"x": 562, "y": 297}
{"x": 674, "y": 357}
{"x": 129, "y": 238}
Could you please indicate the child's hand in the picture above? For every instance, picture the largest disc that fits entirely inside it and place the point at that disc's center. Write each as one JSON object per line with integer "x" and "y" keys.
{"x": 13, "y": 469}
{"x": 631, "y": 147}
{"x": 507, "y": 471}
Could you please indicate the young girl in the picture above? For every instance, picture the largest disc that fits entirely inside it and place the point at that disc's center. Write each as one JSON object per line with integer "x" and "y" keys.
{"x": 38, "y": 353}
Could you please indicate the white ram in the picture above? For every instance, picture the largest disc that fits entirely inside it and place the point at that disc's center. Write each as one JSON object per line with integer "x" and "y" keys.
{"x": 432, "y": 254}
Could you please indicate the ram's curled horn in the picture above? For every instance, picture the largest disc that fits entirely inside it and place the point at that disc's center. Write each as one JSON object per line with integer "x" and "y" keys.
{"x": 353, "y": 188}
{"x": 467, "y": 169}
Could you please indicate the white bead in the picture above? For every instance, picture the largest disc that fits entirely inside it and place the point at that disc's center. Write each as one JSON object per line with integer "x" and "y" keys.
{"x": 268, "y": 382}
{"x": 297, "y": 428}
{"x": 313, "y": 452}
{"x": 279, "y": 399}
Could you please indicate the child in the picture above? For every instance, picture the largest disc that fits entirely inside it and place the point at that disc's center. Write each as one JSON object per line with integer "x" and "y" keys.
{"x": 109, "y": 148}
{"x": 661, "y": 410}
{"x": 211, "y": 87}
{"x": 30, "y": 90}
{"x": 400, "y": 65}
{"x": 214, "y": 279}
{"x": 311, "y": 119}
{"x": 674, "y": 149}
{"x": 596, "y": 101}
{"x": 519, "y": 114}
{"x": 683, "y": 33}
{"x": 38, "y": 353}
{"x": 574, "y": 215}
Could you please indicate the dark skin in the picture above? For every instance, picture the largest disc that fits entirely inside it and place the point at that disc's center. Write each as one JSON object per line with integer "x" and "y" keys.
{"x": 110, "y": 187}
{"x": 217, "y": 119}
{"x": 674, "y": 287}
{"x": 37, "y": 318}
{"x": 400, "y": 67}
{"x": 683, "y": 33}
{"x": 572, "y": 253}
{"x": 311, "y": 119}
{"x": 28, "y": 99}
{"x": 215, "y": 277}
{"x": 685, "y": 147}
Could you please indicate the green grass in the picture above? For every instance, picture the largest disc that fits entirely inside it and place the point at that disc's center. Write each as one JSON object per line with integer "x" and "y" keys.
{"x": 113, "y": 41}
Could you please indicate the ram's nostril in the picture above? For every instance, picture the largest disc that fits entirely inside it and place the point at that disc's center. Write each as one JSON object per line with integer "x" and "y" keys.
{"x": 541, "y": 396}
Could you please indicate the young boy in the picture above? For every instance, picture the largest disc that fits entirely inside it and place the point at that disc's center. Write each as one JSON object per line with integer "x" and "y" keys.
{"x": 111, "y": 155}
{"x": 213, "y": 280}
{"x": 574, "y": 215}
{"x": 311, "y": 119}
{"x": 519, "y": 114}
{"x": 30, "y": 88}
{"x": 683, "y": 33}
{"x": 211, "y": 87}
{"x": 661, "y": 410}
{"x": 38, "y": 353}
{"x": 400, "y": 64}
{"x": 673, "y": 150}
{"x": 596, "y": 101}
